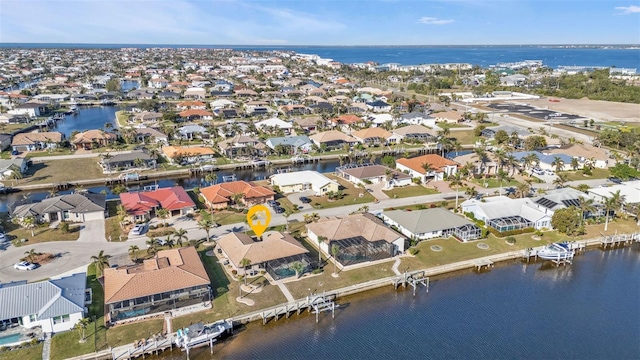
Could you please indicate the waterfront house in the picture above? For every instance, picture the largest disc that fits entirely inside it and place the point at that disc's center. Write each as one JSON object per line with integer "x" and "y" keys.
{"x": 440, "y": 166}
{"x": 449, "y": 117}
{"x": 506, "y": 214}
{"x": 143, "y": 205}
{"x": 347, "y": 122}
{"x": 8, "y": 166}
{"x": 374, "y": 174}
{"x": 332, "y": 139}
{"x": 5, "y": 141}
{"x": 147, "y": 134}
{"x": 220, "y": 196}
{"x": 415, "y": 134}
{"x": 54, "y": 305}
{"x": 308, "y": 124}
{"x": 274, "y": 253}
{"x": 417, "y": 118}
{"x": 359, "y": 237}
{"x": 241, "y": 145}
{"x": 7, "y": 118}
{"x": 194, "y": 105}
{"x": 36, "y": 141}
{"x": 294, "y": 144}
{"x": 554, "y": 200}
{"x": 93, "y": 139}
{"x": 304, "y": 180}
{"x": 372, "y": 136}
{"x": 190, "y": 132}
{"x": 30, "y": 109}
{"x": 136, "y": 159}
{"x": 630, "y": 190}
{"x": 274, "y": 123}
{"x": 173, "y": 279}
{"x": 431, "y": 223}
{"x": 188, "y": 155}
{"x": 146, "y": 117}
{"x": 71, "y": 208}
{"x": 193, "y": 114}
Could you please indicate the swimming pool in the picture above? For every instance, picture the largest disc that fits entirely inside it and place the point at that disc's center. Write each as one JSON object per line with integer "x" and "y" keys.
{"x": 9, "y": 339}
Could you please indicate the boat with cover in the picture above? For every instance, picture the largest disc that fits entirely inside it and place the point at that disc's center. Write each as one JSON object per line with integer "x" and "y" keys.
{"x": 199, "y": 333}
{"x": 556, "y": 251}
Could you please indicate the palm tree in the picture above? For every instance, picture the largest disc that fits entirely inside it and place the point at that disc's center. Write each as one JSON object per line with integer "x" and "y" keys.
{"x": 609, "y": 205}
{"x": 558, "y": 163}
{"x": 163, "y": 214}
{"x": 16, "y": 173}
{"x": 456, "y": 181}
{"x": 53, "y": 192}
{"x": 298, "y": 267}
{"x": 211, "y": 178}
{"x": 81, "y": 325}
{"x": 180, "y": 235}
{"x": 236, "y": 198}
{"x": 335, "y": 250}
{"x": 524, "y": 188}
{"x": 29, "y": 223}
{"x": 121, "y": 212}
{"x": 31, "y": 255}
{"x": 502, "y": 175}
{"x": 286, "y": 215}
{"x": 427, "y": 169}
{"x": 574, "y": 164}
{"x": 206, "y": 225}
{"x": 133, "y": 251}
{"x": 471, "y": 191}
{"x": 560, "y": 180}
{"x": 321, "y": 239}
{"x": 481, "y": 154}
{"x": 152, "y": 246}
{"x": 586, "y": 206}
{"x": 101, "y": 261}
{"x": 244, "y": 263}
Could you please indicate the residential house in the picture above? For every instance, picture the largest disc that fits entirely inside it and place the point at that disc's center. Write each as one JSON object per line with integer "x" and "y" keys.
{"x": 332, "y": 139}
{"x": 357, "y": 108}
{"x": 55, "y": 305}
{"x": 359, "y": 237}
{"x": 554, "y": 200}
{"x": 146, "y": 134}
{"x": 308, "y": 124}
{"x": 5, "y": 141}
{"x": 440, "y": 166}
{"x": 321, "y": 107}
{"x": 92, "y": 139}
{"x": 8, "y": 166}
{"x": 372, "y": 136}
{"x": 274, "y": 123}
{"x": 30, "y": 109}
{"x": 417, "y": 118}
{"x": 378, "y": 106}
{"x": 347, "y": 122}
{"x": 586, "y": 155}
{"x": 374, "y": 174}
{"x": 304, "y": 180}
{"x": 414, "y": 134}
{"x": 71, "y": 208}
{"x": 294, "y": 109}
{"x": 193, "y": 105}
{"x": 193, "y": 114}
{"x": 630, "y": 190}
{"x": 378, "y": 120}
{"x": 431, "y": 223}
{"x": 295, "y": 144}
{"x": 136, "y": 159}
{"x": 158, "y": 83}
{"x": 195, "y": 93}
{"x": 143, "y": 205}
{"x": 546, "y": 161}
{"x": 146, "y": 117}
{"x": 256, "y": 108}
{"x": 173, "y": 279}
{"x": 220, "y": 196}
{"x": 169, "y": 95}
{"x": 274, "y": 253}
{"x": 7, "y": 118}
{"x": 449, "y": 117}
{"x": 242, "y": 145}
{"x": 222, "y": 104}
{"x": 190, "y": 132}
{"x": 184, "y": 155}
{"x": 36, "y": 141}
{"x": 506, "y": 214}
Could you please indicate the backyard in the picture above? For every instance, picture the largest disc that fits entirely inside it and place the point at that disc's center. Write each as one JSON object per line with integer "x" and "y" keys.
{"x": 409, "y": 191}
{"x": 56, "y": 171}
{"x": 352, "y": 195}
{"x": 579, "y": 175}
{"x": 465, "y": 137}
{"x": 42, "y": 233}
{"x": 32, "y": 352}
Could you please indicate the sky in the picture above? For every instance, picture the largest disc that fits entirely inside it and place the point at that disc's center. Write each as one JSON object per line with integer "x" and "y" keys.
{"x": 321, "y": 22}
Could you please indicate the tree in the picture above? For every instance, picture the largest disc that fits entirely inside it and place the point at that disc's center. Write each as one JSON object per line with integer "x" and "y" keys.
{"x": 614, "y": 202}
{"x": 133, "y": 252}
{"x": 163, "y": 214}
{"x": 574, "y": 164}
{"x": 471, "y": 191}
{"x": 501, "y": 137}
{"x": 568, "y": 221}
{"x": 152, "y": 246}
{"x": 427, "y": 169}
{"x": 502, "y": 176}
{"x": 624, "y": 171}
{"x": 112, "y": 85}
{"x": 81, "y": 325}
{"x": 456, "y": 181}
{"x": 534, "y": 142}
{"x": 244, "y": 263}
{"x": 101, "y": 261}
{"x": 15, "y": 174}
{"x": 560, "y": 180}
{"x": 558, "y": 163}
{"x": 29, "y": 223}
{"x": 389, "y": 161}
{"x": 523, "y": 189}
{"x": 32, "y": 255}
{"x": 335, "y": 250}
{"x": 298, "y": 267}
{"x": 180, "y": 235}
{"x": 206, "y": 224}
{"x": 586, "y": 206}
{"x": 236, "y": 198}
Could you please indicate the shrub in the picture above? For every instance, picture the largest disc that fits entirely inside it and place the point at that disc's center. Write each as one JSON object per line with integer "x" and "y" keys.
{"x": 510, "y": 240}
{"x": 234, "y": 272}
{"x": 413, "y": 251}
{"x": 4, "y": 348}
{"x": 221, "y": 290}
{"x": 317, "y": 271}
{"x": 34, "y": 341}
{"x": 153, "y": 227}
{"x": 503, "y": 234}
{"x": 63, "y": 227}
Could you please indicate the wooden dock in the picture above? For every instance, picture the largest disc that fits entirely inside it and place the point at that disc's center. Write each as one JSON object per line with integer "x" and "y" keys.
{"x": 148, "y": 347}
{"x": 619, "y": 240}
{"x": 412, "y": 279}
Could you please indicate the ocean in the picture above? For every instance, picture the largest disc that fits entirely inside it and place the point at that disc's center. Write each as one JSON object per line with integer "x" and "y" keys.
{"x": 587, "y": 310}
{"x": 553, "y": 56}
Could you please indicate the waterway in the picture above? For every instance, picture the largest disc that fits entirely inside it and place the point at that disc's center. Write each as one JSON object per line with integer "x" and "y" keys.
{"x": 588, "y": 310}
{"x": 87, "y": 118}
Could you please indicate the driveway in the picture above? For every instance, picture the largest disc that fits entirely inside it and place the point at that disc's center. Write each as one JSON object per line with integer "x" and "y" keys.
{"x": 295, "y": 198}
{"x": 376, "y": 191}
{"x": 92, "y": 231}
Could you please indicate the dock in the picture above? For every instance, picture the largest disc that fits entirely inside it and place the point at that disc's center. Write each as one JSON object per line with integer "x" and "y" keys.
{"x": 315, "y": 304}
{"x": 412, "y": 279}
{"x": 612, "y": 241}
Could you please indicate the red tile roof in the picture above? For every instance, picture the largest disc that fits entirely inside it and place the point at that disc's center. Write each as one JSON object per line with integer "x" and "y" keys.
{"x": 346, "y": 119}
{"x": 195, "y": 112}
{"x": 140, "y": 203}
{"x": 221, "y": 193}
{"x": 415, "y": 164}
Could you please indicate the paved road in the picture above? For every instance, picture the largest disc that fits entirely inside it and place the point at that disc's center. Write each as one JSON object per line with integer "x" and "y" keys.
{"x": 75, "y": 156}
{"x": 76, "y": 254}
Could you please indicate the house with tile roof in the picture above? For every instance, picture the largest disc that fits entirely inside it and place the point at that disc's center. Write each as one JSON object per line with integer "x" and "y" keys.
{"x": 242, "y": 145}
{"x": 332, "y": 139}
{"x": 374, "y": 174}
{"x": 71, "y": 207}
{"x": 54, "y": 305}
{"x": 440, "y": 167}
{"x": 93, "y": 138}
{"x": 451, "y": 117}
{"x": 220, "y": 196}
{"x": 173, "y": 279}
{"x": 195, "y": 114}
{"x": 274, "y": 253}
{"x": 372, "y": 136}
{"x": 360, "y": 238}
{"x": 36, "y": 141}
{"x": 188, "y": 154}
{"x": 143, "y": 205}
{"x": 415, "y": 134}
{"x": 304, "y": 180}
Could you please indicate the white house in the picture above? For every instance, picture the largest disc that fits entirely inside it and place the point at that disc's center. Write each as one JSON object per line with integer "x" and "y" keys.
{"x": 274, "y": 122}
{"x": 431, "y": 223}
{"x": 7, "y": 167}
{"x": 506, "y": 214}
{"x": 417, "y": 118}
{"x": 304, "y": 180}
{"x": 54, "y": 305}
{"x": 375, "y": 174}
{"x": 29, "y": 109}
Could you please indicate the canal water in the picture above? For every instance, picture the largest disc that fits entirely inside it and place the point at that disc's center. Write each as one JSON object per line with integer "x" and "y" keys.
{"x": 588, "y": 310}
{"x": 87, "y": 118}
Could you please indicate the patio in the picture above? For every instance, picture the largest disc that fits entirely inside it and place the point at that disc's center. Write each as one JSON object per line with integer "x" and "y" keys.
{"x": 13, "y": 334}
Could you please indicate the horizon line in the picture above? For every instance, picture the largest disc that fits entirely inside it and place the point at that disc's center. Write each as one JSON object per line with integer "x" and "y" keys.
{"x": 314, "y": 45}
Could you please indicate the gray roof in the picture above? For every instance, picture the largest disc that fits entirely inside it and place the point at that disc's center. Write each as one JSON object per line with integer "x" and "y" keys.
{"x": 46, "y": 298}
{"x": 77, "y": 203}
{"x": 295, "y": 141}
{"x": 560, "y": 198}
{"x": 427, "y": 220}
{"x": 415, "y": 115}
{"x": 6, "y": 164}
{"x": 135, "y": 154}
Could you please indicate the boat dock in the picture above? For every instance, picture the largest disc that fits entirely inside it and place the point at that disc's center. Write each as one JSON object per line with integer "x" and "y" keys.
{"x": 412, "y": 279}
{"x": 143, "y": 348}
{"x": 314, "y": 304}
{"x": 619, "y": 240}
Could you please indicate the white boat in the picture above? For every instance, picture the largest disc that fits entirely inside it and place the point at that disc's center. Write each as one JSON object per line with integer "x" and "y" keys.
{"x": 556, "y": 251}
{"x": 200, "y": 334}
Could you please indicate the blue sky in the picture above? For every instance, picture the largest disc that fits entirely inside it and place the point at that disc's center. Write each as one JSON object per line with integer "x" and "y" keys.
{"x": 319, "y": 22}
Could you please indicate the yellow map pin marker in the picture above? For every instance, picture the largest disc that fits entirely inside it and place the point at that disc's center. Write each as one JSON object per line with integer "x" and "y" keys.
{"x": 258, "y": 218}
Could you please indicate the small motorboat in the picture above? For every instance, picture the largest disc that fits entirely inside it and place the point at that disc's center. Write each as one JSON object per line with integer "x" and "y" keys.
{"x": 556, "y": 251}
{"x": 199, "y": 334}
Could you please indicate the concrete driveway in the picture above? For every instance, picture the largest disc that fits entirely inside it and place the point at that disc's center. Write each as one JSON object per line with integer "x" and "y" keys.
{"x": 92, "y": 231}
{"x": 295, "y": 198}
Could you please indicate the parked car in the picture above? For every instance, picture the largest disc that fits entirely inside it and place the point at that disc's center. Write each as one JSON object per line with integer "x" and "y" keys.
{"x": 615, "y": 180}
{"x": 305, "y": 200}
{"x": 139, "y": 229}
{"x": 278, "y": 210}
{"x": 24, "y": 265}
{"x": 272, "y": 203}
{"x": 3, "y": 237}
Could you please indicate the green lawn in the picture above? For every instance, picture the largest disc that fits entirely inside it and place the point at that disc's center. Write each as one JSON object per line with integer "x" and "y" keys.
{"x": 33, "y": 352}
{"x": 42, "y": 234}
{"x": 352, "y": 195}
{"x": 409, "y": 191}
{"x": 67, "y": 170}
{"x": 215, "y": 271}
{"x": 56, "y": 152}
{"x": 595, "y": 174}
{"x": 465, "y": 137}
{"x": 226, "y": 217}
{"x": 494, "y": 183}
{"x": 113, "y": 230}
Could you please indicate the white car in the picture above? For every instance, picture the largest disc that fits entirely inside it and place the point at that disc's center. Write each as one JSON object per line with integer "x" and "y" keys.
{"x": 3, "y": 237}
{"x": 139, "y": 229}
{"x": 24, "y": 265}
